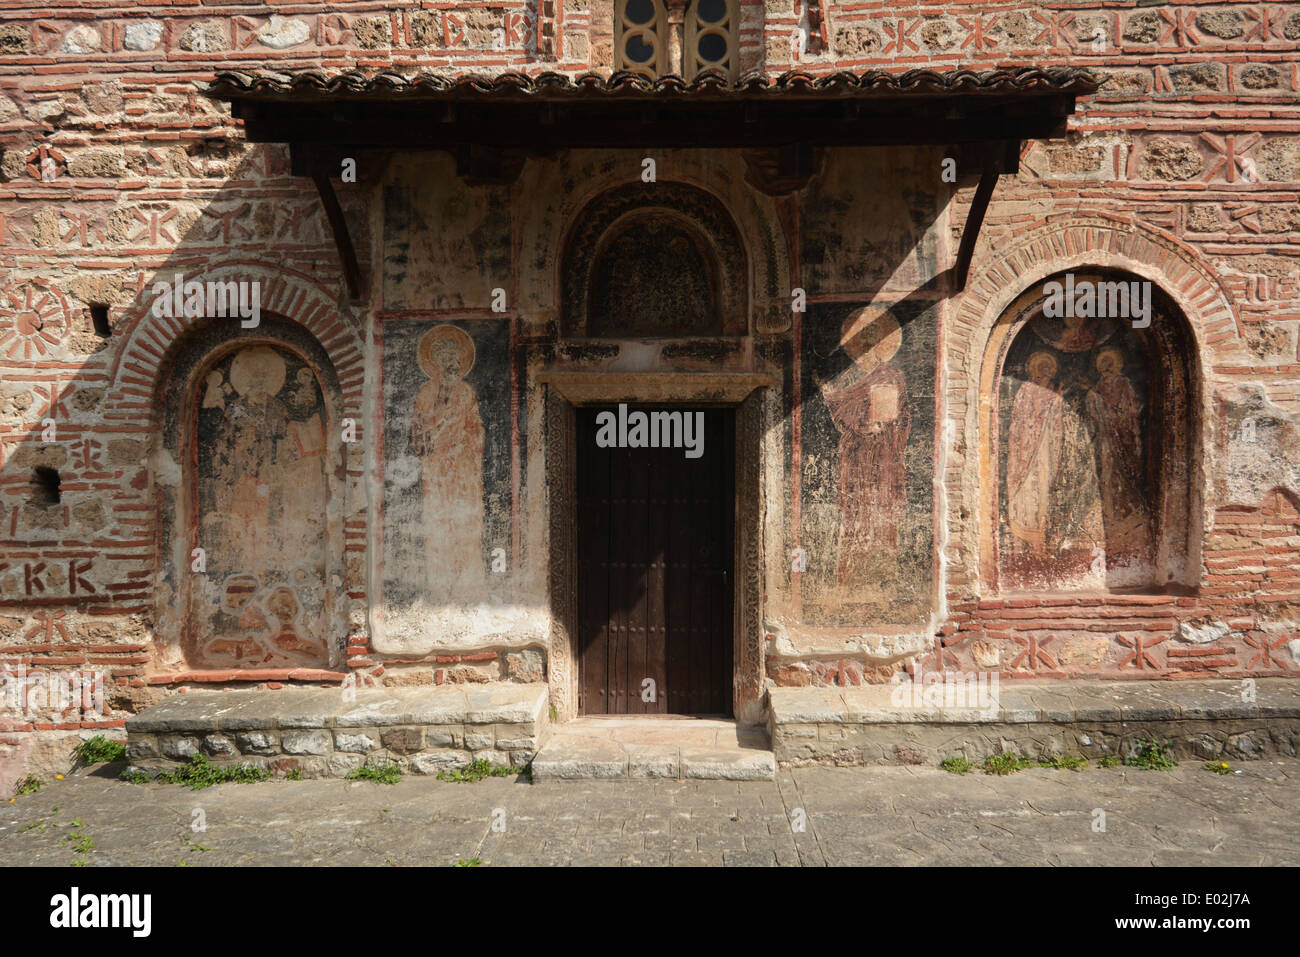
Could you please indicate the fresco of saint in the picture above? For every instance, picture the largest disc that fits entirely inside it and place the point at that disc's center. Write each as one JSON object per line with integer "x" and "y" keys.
{"x": 868, "y": 405}
{"x": 253, "y": 423}
{"x": 1114, "y": 410}
{"x": 1034, "y": 444}
{"x": 262, "y": 510}
{"x": 447, "y": 437}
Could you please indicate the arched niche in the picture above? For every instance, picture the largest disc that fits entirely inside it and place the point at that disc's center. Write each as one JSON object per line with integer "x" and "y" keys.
{"x": 1089, "y": 424}
{"x": 654, "y": 261}
{"x": 251, "y": 473}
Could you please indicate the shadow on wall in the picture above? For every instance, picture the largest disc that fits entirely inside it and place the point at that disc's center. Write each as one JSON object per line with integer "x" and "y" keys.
{"x": 865, "y": 359}
{"x": 136, "y": 431}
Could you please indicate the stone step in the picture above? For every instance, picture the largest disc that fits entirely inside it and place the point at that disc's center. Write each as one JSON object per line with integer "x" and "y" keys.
{"x": 330, "y": 731}
{"x": 908, "y": 724}
{"x": 655, "y": 747}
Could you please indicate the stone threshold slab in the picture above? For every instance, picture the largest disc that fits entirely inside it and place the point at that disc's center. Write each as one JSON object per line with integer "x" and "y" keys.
{"x": 296, "y": 708}
{"x": 655, "y": 748}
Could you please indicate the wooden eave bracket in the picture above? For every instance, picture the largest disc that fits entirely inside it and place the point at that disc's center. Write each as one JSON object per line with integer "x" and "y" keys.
{"x": 305, "y": 162}
{"x": 993, "y": 163}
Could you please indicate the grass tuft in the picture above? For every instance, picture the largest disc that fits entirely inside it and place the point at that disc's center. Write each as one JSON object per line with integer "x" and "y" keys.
{"x": 98, "y": 750}
{"x": 480, "y": 769}
{"x": 379, "y": 773}
{"x": 1152, "y": 756}
{"x": 201, "y": 773}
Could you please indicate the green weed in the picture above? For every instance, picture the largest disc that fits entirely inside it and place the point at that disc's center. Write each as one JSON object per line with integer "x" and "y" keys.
{"x": 480, "y": 769}
{"x": 98, "y": 750}
{"x": 379, "y": 773}
{"x": 201, "y": 773}
{"x": 1152, "y": 756}
{"x": 1001, "y": 764}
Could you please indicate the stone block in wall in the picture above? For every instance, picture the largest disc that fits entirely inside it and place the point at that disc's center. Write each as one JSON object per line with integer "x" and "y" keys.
{"x": 178, "y": 746}
{"x": 445, "y": 736}
{"x": 403, "y": 740}
{"x": 340, "y": 765}
{"x": 493, "y": 757}
{"x": 257, "y": 742}
{"x": 479, "y": 739}
{"x": 356, "y": 743}
{"x": 432, "y": 762}
{"x": 526, "y": 665}
{"x": 219, "y": 746}
{"x": 307, "y": 742}
{"x": 142, "y": 746}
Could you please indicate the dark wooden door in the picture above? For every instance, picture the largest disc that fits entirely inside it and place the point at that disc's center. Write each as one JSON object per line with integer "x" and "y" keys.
{"x": 654, "y": 534}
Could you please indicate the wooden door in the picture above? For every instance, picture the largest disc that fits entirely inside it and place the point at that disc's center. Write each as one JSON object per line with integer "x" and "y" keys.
{"x": 654, "y": 534}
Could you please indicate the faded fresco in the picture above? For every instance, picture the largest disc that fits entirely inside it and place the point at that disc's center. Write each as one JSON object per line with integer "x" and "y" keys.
{"x": 857, "y": 234}
{"x": 1074, "y": 448}
{"x": 446, "y": 470}
{"x": 261, "y": 512}
{"x": 446, "y": 244}
{"x": 868, "y": 420}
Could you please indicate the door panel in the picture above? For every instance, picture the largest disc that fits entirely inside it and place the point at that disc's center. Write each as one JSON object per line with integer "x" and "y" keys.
{"x": 654, "y": 533}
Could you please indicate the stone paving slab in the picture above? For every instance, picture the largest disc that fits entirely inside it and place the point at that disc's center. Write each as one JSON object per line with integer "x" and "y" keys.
{"x": 849, "y": 816}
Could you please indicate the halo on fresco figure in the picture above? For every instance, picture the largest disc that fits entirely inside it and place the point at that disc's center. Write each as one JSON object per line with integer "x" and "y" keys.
{"x": 257, "y": 364}
{"x": 1037, "y": 359}
{"x": 429, "y": 343}
{"x": 1108, "y": 352}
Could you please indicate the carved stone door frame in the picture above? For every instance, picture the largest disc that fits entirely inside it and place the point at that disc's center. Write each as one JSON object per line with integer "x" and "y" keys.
{"x": 741, "y": 391}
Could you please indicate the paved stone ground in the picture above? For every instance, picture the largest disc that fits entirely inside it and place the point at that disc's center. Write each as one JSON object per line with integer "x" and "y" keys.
{"x": 855, "y": 816}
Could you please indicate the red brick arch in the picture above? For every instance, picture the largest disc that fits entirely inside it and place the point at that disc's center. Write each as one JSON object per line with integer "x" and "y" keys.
{"x": 1065, "y": 242}
{"x": 148, "y": 340}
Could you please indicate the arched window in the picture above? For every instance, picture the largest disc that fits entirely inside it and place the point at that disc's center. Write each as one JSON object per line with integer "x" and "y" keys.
{"x": 710, "y": 38}
{"x": 641, "y": 37}
{"x": 1089, "y": 438}
{"x": 684, "y": 37}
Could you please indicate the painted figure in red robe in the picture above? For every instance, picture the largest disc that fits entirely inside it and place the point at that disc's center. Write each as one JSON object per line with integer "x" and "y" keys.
{"x": 868, "y": 404}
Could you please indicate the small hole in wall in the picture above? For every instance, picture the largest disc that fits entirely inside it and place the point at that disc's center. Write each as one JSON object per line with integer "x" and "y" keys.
{"x": 99, "y": 316}
{"x": 45, "y": 486}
